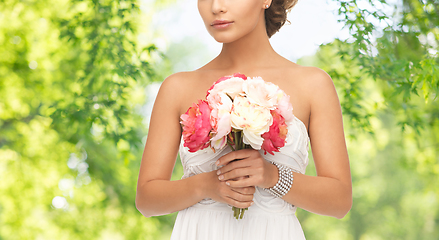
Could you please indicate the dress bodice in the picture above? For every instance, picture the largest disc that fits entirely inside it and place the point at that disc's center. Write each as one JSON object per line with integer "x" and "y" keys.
{"x": 293, "y": 155}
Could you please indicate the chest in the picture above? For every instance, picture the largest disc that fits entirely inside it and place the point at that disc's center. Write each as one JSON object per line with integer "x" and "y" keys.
{"x": 293, "y": 87}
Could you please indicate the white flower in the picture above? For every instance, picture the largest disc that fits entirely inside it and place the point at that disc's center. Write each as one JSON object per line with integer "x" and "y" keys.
{"x": 254, "y": 120}
{"x": 263, "y": 93}
{"x": 231, "y": 87}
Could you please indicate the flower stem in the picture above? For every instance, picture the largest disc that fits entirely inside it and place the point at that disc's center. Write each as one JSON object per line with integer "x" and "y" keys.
{"x": 236, "y": 139}
{"x": 242, "y": 212}
{"x": 238, "y": 213}
{"x": 230, "y": 145}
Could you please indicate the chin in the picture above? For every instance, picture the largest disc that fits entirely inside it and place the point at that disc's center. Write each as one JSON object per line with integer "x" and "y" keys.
{"x": 225, "y": 37}
{"x": 223, "y": 40}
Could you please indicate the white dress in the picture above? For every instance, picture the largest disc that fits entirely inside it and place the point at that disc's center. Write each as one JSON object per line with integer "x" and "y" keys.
{"x": 268, "y": 218}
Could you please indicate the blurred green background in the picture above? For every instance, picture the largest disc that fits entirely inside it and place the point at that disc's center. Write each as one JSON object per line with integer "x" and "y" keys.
{"x": 75, "y": 80}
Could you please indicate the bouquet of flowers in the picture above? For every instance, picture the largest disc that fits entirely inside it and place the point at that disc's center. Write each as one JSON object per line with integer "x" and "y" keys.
{"x": 240, "y": 112}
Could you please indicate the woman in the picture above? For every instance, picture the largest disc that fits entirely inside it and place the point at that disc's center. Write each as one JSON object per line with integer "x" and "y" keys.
{"x": 204, "y": 195}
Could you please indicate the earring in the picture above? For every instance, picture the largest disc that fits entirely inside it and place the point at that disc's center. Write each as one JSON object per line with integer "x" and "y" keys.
{"x": 267, "y": 6}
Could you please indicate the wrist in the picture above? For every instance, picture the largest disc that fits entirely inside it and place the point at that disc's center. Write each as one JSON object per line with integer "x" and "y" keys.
{"x": 203, "y": 184}
{"x": 273, "y": 176}
{"x": 198, "y": 186}
{"x": 284, "y": 183}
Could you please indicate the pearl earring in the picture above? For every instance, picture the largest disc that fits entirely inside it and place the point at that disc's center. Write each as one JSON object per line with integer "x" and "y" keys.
{"x": 266, "y": 6}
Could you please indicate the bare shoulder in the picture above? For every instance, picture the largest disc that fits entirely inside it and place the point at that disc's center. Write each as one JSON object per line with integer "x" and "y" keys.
{"x": 324, "y": 106}
{"x": 314, "y": 83}
{"x": 176, "y": 81}
{"x": 319, "y": 85}
{"x": 183, "y": 80}
{"x": 176, "y": 85}
{"x": 313, "y": 78}
{"x": 305, "y": 85}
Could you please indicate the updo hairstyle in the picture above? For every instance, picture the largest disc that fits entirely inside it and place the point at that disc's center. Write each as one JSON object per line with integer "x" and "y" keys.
{"x": 276, "y": 15}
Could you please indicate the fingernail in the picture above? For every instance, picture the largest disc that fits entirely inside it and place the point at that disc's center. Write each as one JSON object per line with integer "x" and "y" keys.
{"x": 218, "y": 172}
{"x": 251, "y": 203}
{"x": 221, "y": 177}
{"x": 227, "y": 183}
{"x": 217, "y": 163}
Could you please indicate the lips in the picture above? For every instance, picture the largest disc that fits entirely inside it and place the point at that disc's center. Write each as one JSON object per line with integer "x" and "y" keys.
{"x": 220, "y": 22}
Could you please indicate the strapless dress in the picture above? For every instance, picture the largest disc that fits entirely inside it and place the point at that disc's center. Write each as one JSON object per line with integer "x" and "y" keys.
{"x": 269, "y": 218}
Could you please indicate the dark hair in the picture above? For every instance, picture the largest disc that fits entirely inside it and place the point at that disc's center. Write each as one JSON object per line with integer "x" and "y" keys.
{"x": 276, "y": 15}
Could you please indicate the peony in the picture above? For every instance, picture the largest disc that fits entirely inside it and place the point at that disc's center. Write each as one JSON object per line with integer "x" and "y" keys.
{"x": 231, "y": 86}
{"x": 252, "y": 119}
{"x": 221, "y": 106}
{"x": 263, "y": 93}
{"x": 285, "y": 108}
{"x": 237, "y": 75}
{"x": 275, "y": 137}
{"x": 196, "y": 126}
{"x": 258, "y": 113}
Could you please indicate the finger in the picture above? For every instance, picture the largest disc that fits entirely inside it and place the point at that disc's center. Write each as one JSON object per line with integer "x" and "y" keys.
{"x": 245, "y": 190}
{"x": 236, "y": 173}
{"x": 246, "y": 182}
{"x": 238, "y": 204}
{"x": 234, "y": 164}
{"x": 240, "y": 197}
{"x": 236, "y": 179}
{"x": 234, "y": 155}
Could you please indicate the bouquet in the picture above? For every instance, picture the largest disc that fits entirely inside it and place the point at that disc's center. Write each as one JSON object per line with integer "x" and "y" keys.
{"x": 240, "y": 112}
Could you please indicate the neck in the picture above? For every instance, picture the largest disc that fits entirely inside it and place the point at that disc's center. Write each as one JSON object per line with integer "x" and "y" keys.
{"x": 252, "y": 50}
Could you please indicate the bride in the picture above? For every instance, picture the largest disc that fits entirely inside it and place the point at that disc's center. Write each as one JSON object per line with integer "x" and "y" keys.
{"x": 213, "y": 182}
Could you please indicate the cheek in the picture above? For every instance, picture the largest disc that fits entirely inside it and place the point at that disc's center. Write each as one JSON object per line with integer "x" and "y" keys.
{"x": 245, "y": 8}
{"x": 246, "y": 12}
{"x": 204, "y": 10}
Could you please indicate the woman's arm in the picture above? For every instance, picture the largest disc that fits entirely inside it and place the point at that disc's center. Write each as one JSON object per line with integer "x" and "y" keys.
{"x": 330, "y": 192}
{"x": 156, "y": 194}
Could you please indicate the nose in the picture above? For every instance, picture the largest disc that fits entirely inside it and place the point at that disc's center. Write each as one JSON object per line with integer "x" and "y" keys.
{"x": 218, "y": 6}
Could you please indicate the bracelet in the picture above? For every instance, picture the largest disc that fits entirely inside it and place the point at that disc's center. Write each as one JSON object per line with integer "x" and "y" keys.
{"x": 284, "y": 183}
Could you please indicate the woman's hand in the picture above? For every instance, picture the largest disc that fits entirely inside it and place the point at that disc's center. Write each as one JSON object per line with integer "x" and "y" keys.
{"x": 240, "y": 197}
{"x": 245, "y": 168}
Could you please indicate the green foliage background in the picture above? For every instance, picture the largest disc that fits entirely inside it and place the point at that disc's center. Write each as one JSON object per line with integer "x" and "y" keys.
{"x": 72, "y": 86}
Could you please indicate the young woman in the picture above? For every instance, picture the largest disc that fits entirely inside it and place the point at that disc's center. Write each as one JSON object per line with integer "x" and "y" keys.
{"x": 215, "y": 181}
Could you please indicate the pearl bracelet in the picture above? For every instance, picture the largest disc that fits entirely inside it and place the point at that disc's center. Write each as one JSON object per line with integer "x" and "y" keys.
{"x": 284, "y": 183}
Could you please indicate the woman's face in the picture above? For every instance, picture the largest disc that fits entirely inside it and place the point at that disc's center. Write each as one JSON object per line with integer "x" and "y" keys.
{"x": 229, "y": 20}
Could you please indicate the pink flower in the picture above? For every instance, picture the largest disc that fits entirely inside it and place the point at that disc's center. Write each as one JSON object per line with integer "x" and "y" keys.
{"x": 196, "y": 126}
{"x": 285, "y": 107}
{"x": 221, "y": 106}
{"x": 275, "y": 137}
{"x": 235, "y": 75}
